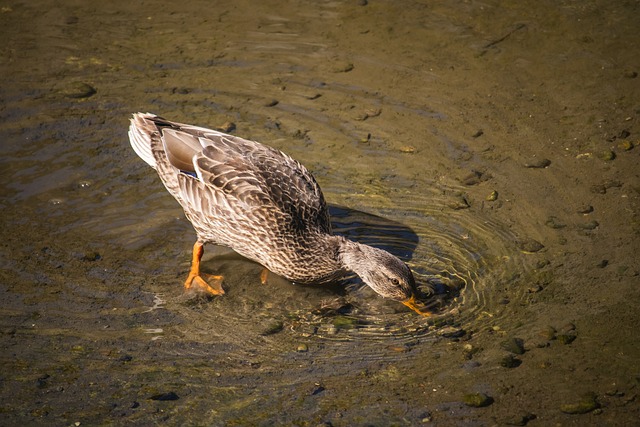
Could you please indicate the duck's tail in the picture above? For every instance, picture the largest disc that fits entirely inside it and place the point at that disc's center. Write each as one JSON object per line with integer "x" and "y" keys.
{"x": 140, "y": 133}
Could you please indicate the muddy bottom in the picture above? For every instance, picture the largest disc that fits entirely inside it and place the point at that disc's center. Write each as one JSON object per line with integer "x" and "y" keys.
{"x": 493, "y": 146}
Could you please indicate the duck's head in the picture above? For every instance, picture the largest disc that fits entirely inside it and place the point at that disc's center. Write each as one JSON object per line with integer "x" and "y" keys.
{"x": 384, "y": 273}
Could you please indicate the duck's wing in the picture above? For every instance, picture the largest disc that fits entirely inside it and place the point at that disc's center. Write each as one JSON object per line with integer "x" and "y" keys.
{"x": 264, "y": 180}
{"x": 212, "y": 172}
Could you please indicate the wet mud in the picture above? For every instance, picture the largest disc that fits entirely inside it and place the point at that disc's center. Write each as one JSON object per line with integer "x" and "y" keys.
{"x": 491, "y": 145}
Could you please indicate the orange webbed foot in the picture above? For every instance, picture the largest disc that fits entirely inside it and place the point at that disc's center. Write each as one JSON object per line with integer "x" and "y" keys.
{"x": 208, "y": 283}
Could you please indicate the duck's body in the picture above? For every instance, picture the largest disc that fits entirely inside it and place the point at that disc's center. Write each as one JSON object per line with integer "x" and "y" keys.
{"x": 261, "y": 203}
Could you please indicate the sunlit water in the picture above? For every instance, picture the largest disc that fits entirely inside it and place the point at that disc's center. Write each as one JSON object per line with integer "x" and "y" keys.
{"x": 71, "y": 173}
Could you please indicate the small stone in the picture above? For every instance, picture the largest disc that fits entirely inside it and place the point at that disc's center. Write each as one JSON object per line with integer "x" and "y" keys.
{"x": 554, "y": 222}
{"x": 41, "y": 382}
{"x": 478, "y": 133}
{"x": 78, "y": 90}
{"x": 272, "y": 103}
{"x": 165, "y": 396}
{"x": 630, "y": 74}
{"x": 458, "y": 203}
{"x": 273, "y": 328}
{"x": 407, "y": 149}
{"x": 530, "y": 246}
{"x": 344, "y": 322}
{"x": 91, "y": 256}
{"x": 591, "y": 225}
{"x": 477, "y": 400}
{"x": 535, "y": 288}
{"x": 625, "y": 145}
{"x": 226, "y": 127}
{"x": 603, "y": 263}
{"x": 451, "y": 332}
{"x": 513, "y": 345}
{"x": 302, "y": 348}
{"x": 365, "y": 139}
{"x": 493, "y": 196}
{"x": 520, "y": 420}
{"x": 587, "y": 403}
{"x": 317, "y": 389}
{"x": 548, "y": 333}
{"x": 585, "y": 209}
{"x": 537, "y": 163}
{"x": 566, "y": 339}
{"x": 473, "y": 178}
{"x": 510, "y": 361}
{"x": 607, "y": 155}
{"x": 343, "y": 67}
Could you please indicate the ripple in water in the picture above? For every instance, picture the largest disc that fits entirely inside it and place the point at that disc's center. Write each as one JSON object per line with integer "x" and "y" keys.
{"x": 460, "y": 260}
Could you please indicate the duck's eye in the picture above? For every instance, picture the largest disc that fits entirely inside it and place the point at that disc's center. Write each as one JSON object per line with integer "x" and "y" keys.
{"x": 395, "y": 281}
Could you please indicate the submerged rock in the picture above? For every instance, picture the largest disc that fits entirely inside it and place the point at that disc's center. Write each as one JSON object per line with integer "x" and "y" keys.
{"x": 520, "y": 419}
{"x": 587, "y": 403}
{"x": 513, "y": 345}
{"x": 273, "y": 328}
{"x": 477, "y": 400}
{"x": 510, "y": 361}
{"x": 165, "y": 396}
{"x": 530, "y": 245}
{"x": 77, "y": 90}
{"x": 537, "y": 163}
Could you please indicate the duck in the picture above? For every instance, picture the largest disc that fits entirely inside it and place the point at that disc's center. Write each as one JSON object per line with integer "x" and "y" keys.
{"x": 264, "y": 205}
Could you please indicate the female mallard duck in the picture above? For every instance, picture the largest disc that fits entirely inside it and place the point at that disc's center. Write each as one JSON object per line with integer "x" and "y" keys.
{"x": 261, "y": 203}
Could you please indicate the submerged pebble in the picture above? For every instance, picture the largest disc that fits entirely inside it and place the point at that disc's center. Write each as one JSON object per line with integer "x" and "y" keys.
{"x": 273, "y": 328}
{"x": 226, "y": 127}
{"x": 586, "y": 403}
{"x": 513, "y": 345}
{"x": 474, "y": 177}
{"x": 591, "y": 225}
{"x": 607, "y": 155}
{"x": 458, "y": 203}
{"x": 554, "y": 222}
{"x": 510, "y": 361}
{"x": 451, "y": 332}
{"x": 625, "y": 145}
{"x": 77, "y": 90}
{"x": 477, "y": 400}
{"x": 520, "y": 419}
{"x": 537, "y": 163}
{"x": 165, "y": 396}
{"x": 530, "y": 245}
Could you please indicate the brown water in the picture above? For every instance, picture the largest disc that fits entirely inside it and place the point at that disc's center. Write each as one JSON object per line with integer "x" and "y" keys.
{"x": 410, "y": 115}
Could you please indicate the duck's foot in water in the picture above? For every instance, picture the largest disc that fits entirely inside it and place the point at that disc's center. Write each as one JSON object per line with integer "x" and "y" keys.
{"x": 208, "y": 284}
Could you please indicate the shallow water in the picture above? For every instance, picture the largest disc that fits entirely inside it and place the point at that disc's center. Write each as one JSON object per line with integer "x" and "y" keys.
{"x": 410, "y": 116}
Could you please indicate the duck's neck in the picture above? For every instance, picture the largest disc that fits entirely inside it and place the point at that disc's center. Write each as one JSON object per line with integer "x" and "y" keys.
{"x": 353, "y": 256}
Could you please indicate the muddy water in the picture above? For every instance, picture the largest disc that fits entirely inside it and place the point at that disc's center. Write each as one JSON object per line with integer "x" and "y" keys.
{"x": 493, "y": 146}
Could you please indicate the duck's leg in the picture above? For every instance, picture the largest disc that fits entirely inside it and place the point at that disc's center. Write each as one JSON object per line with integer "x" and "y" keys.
{"x": 195, "y": 279}
{"x": 264, "y": 274}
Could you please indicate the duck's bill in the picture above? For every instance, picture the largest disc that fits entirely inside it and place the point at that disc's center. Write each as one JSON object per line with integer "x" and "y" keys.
{"x": 411, "y": 303}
